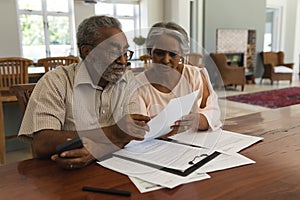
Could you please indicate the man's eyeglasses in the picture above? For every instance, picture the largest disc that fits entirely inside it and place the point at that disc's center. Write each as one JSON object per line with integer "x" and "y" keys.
{"x": 162, "y": 53}
{"x": 128, "y": 54}
{"x": 115, "y": 54}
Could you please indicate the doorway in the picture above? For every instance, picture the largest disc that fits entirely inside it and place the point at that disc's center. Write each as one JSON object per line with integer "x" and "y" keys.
{"x": 272, "y": 29}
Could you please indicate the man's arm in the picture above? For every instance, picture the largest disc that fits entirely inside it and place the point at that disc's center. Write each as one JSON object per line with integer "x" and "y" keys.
{"x": 128, "y": 128}
{"x": 45, "y": 141}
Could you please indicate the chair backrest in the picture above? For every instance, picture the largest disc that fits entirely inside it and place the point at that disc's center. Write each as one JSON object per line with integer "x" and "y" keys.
{"x": 52, "y": 62}
{"x": 220, "y": 60}
{"x": 22, "y": 92}
{"x": 13, "y": 70}
{"x": 145, "y": 58}
{"x": 193, "y": 59}
{"x": 274, "y": 58}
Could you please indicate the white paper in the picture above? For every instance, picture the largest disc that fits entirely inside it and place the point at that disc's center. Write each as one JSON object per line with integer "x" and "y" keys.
{"x": 163, "y": 153}
{"x": 176, "y": 108}
{"x": 225, "y": 161}
{"x": 144, "y": 186}
{"x": 149, "y": 174}
{"x": 172, "y": 154}
{"x": 219, "y": 140}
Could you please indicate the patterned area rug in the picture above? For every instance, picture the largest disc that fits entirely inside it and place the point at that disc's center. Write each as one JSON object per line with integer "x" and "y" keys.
{"x": 270, "y": 99}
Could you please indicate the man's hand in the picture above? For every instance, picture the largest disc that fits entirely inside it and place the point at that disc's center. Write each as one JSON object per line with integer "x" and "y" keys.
{"x": 134, "y": 125}
{"x": 73, "y": 159}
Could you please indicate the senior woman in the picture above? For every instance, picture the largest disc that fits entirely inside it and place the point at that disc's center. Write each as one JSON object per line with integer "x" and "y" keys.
{"x": 168, "y": 77}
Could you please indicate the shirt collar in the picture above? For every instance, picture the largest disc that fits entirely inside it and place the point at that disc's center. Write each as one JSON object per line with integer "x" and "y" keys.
{"x": 83, "y": 77}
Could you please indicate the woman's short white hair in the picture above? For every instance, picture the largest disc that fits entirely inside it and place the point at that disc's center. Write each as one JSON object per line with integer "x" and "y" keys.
{"x": 171, "y": 29}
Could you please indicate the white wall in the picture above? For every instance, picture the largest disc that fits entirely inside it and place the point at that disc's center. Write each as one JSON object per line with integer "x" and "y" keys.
{"x": 152, "y": 12}
{"x": 234, "y": 14}
{"x": 290, "y": 35}
{"x": 290, "y": 30}
{"x": 297, "y": 44}
{"x": 178, "y": 11}
{"x": 81, "y": 12}
{"x": 200, "y": 23}
{"x": 9, "y": 35}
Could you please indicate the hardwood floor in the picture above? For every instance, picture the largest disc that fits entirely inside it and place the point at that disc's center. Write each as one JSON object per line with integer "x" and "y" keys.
{"x": 230, "y": 108}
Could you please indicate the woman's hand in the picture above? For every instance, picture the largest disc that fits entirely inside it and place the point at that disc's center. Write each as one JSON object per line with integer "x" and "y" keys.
{"x": 187, "y": 122}
{"x": 192, "y": 122}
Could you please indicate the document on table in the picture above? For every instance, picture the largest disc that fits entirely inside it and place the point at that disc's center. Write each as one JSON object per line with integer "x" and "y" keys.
{"x": 145, "y": 186}
{"x": 227, "y": 141}
{"x": 163, "y": 154}
{"x": 155, "y": 178}
{"x": 147, "y": 178}
{"x": 176, "y": 108}
{"x": 225, "y": 161}
{"x": 149, "y": 174}
{"x": 221, "y": 162}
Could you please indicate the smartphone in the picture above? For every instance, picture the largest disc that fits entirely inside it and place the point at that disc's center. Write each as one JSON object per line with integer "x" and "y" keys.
{"x": 75, "y": 143}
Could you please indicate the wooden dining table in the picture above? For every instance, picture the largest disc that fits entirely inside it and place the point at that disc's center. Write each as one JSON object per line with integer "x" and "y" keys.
{"x": 275, "y": 175}
{"x": 36, "y": 71}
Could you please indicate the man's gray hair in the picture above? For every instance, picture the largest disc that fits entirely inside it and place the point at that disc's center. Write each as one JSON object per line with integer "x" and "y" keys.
{"x": 88, "y": 29}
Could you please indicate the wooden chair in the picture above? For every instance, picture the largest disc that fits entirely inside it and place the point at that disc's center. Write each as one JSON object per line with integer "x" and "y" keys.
{"x": 231, "y": 75}
{"x": 194, "y": 59}
{"x": 146, "y": 58}
{"x": 13, "y": 70}
{"x": 274, "y": 67}
{"x": 23, "y": 92}
{"x": 52, "y": 62}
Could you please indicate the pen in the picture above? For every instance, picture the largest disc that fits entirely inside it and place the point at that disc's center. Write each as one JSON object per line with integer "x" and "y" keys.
{"x": 107, "y": 191}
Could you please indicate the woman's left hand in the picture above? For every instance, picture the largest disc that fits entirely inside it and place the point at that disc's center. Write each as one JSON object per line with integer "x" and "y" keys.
{"x": 187, "y": 122}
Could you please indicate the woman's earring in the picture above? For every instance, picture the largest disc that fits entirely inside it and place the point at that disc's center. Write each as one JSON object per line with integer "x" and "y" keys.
{"x": 181, "y": 60}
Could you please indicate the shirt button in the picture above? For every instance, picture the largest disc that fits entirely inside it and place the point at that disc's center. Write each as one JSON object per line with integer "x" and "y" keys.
{"x": 103, "y": 111}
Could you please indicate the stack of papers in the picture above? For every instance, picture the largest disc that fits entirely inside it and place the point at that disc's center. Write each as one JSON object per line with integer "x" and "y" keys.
{"x": 176, "y": 155}
{"x": 153, "y": 164}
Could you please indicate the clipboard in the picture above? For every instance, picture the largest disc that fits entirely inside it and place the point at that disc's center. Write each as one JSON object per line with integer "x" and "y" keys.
{"x": 186, "y": 172}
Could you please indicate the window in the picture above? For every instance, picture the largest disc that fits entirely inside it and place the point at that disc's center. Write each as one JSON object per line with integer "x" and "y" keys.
{"x": 128, "y": 14}
{"x": 46, "y": 28}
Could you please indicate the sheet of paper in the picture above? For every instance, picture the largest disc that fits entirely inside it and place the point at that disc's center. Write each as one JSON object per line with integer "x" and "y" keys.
{"x": 221, "y": 162}
{"x": 163, "y": 153}
{"x": 220, "y": 140}
{"x": 225, "y": 161}
{"x": 147, "y": 178}
{"x": 144, "y": 186}
{"x": 176, "y": 108}
{"x": 149, "y": 174}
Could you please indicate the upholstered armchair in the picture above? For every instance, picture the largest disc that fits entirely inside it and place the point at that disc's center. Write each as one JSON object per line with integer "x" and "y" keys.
{"x": 231, "y": 75}
{"x": 274, "y": 67}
